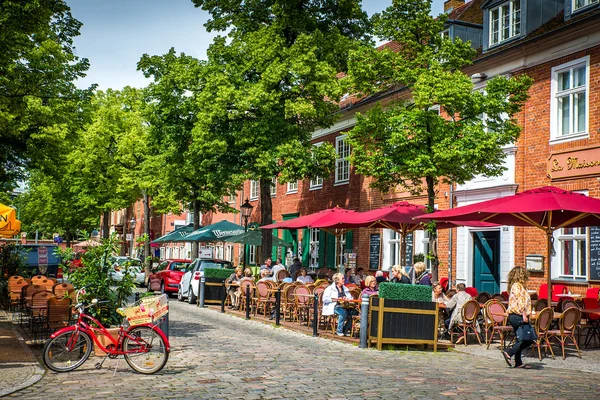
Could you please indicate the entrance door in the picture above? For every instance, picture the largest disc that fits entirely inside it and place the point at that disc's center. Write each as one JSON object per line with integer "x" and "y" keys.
{"x": 291, "y": 235}
{"x": 486, "y": 261}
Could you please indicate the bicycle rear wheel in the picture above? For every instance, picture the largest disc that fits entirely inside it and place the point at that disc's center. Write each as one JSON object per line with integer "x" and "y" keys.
{"x": 145, "y": 351}
{"x": 67, "y": 351}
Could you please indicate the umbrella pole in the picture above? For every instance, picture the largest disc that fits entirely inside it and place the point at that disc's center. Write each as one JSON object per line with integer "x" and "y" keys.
{"x": 549, "y": 263}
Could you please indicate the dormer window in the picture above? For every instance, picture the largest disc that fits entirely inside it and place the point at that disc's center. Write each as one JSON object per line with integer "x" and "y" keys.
{"x": 505, "y": 21}
{"x": 577, "y": 4}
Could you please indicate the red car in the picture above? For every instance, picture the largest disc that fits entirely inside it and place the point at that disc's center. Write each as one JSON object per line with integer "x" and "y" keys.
{"x": 167, "y": 275}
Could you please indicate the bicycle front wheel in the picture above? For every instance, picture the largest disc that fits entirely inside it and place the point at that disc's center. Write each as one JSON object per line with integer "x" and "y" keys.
{"x": 145, "y": 350}
{"x": 67, "y": 351}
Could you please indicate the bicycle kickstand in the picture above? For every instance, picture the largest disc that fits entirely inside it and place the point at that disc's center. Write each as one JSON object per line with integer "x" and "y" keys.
{"x": 99, "y": 365}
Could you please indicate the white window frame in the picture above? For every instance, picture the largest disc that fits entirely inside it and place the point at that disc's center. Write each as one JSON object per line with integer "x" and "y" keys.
{"x": 232, "y": 198}
{"x": 580, "y": 235}
{"x": 339, "y": 257}
{"x": 586, "y": 3}
{"x": 292, "y": 187}
{"x": 555, "y": 136}
{"x": 252, "y": 255}
{"x": 314, "y": 236}
{"x": 316, "y": 183}
{"x": 274, "y": 186}
{"x": 342, "y": 162}
{"x": 502, "y": 24}
{"x": 254, "y": 186}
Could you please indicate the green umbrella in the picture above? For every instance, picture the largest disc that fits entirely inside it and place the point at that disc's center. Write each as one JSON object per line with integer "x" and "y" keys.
{"x": 217, "y": 232}
{"x": 176, "y": 234}
{"x": 254, "y": 238}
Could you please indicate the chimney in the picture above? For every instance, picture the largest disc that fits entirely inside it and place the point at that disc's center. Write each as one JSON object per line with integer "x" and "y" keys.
{"x": 450, "y": 5}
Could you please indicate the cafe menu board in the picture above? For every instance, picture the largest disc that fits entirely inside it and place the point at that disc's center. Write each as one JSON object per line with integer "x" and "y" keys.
{"x": 594, "y": 271}
{"x": 374, "y": 250}
{"x": 409, "y": 248}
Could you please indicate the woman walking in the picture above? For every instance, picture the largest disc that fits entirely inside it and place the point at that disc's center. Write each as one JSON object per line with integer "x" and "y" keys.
{"x": 519, "y": 309}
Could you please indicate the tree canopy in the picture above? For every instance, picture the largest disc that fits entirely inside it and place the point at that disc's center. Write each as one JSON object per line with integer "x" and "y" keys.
{"x": 38, "y": 99}
{"x": 443, "y": 129}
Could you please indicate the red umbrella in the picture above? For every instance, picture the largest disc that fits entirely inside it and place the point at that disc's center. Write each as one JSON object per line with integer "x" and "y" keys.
{"x": 332, "y": 216}
{"x": 546, "y": 208}
{"x": 399, "y": 217}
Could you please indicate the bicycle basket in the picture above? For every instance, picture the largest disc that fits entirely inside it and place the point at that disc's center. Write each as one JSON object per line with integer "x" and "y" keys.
{"x": 147, "y": 310}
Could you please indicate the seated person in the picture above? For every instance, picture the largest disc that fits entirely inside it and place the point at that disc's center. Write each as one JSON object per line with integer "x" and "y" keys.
{"x": 288, "y": 278}
{"x": 349, "y": 277}
{"x": 276, "y": 269}
{"x": 437, "y": 294}
{"x": 331, "y": 304}
{"x": 265, "y": 275}
{"x": 422, "y": 276}
{"x": 304, "y": 277}
{"x": 399, "y": 275}
{"x": 359, "y": 277}
{"x": 248, "y": 273}
{"x": 456, "y": 302}
{"x": 295, "y": 268}
{"x": 370, "y": 287}
{"x": 234, "y": 291}
{"x": 379, "y": 277}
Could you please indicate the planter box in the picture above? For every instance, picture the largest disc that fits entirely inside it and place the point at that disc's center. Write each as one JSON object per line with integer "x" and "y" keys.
{"x": 105, "y": 341}
{"x": 213, "y": 290}
{"x": 402, "y": 322}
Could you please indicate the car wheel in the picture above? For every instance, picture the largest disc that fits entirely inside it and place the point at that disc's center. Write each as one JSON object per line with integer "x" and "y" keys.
{"x": 191, "y": 296}
{"x": 162, "y": 288}
{"x": 179, "y": 294}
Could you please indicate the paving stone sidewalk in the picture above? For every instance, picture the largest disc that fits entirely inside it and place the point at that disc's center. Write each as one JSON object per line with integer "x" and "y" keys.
{"x": 19, "y": 367}
{"x": 220, "y": 356}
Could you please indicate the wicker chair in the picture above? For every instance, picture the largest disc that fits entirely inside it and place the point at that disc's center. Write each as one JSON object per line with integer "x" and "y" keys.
{"x": 264, "y": 297}
{"x": 540, "y": 305}
{"x": 483, "y": 297}
{"x": 496, "y": 322}
{"x": 543, "y": 322}
{"x": 469, "y": 312}
{"x": 303, "y": 302}
{"x": 566, "y": 329}
{"x": 244, "y": 283}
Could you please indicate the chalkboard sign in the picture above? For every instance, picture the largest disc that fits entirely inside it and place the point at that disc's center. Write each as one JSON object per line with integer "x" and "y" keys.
{"x": 409, "y": 248}
{"x": 374, "y": 250}
{"x": 594, "y": 271}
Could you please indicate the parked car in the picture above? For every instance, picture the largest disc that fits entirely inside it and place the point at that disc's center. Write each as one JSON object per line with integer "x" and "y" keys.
{"x": 132, "y": 266}
{"x": 167, "y": 275}
{"x": 189, "y": 286}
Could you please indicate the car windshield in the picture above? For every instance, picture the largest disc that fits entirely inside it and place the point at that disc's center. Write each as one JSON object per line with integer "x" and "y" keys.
{"x": 179, "y": 266}
{"x": 215, "y": 264}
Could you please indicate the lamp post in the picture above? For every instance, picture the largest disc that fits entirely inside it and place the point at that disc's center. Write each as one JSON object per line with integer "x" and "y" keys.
{"x": 132, "y": 228}
{"x": 246, "y": 210}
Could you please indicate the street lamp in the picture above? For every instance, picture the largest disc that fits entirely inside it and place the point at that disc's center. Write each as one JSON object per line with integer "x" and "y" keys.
{"x": 246, "y": 210}
{"x": 132, "y": 228}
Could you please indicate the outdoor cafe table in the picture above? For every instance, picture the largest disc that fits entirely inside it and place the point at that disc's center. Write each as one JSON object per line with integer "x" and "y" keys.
{"x": 568, "y": 295}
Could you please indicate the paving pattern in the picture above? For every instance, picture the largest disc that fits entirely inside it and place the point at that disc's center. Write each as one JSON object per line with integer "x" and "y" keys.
{"x": 219, "y": 356}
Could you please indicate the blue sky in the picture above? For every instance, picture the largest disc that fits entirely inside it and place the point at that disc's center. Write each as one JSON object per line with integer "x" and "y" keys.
{"x": 116, "y": 33}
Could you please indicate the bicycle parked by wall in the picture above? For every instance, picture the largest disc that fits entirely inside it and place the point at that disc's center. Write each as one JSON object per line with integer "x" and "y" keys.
{"x": 145, "y": 347}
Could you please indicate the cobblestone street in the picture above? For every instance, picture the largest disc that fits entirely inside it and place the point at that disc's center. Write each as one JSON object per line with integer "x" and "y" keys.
{"x": 221, "y": 356}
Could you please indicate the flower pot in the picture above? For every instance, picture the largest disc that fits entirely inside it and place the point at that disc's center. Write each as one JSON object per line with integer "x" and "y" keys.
{"x": 105, "y": 341}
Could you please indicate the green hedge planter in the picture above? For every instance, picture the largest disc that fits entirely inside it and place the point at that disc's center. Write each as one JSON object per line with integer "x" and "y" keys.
{"x": 401, "y": 291}
{"x": 403, "y": 314}
{"x": 213, "y": 286}
{"x": 222, "y": 273}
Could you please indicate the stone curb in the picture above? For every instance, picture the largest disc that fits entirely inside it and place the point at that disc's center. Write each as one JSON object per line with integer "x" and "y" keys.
{"x": 39, "y": 370}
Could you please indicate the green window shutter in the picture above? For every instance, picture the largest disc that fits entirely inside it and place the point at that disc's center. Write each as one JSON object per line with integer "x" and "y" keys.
{"x": 274, "y": 251}
{"x": 330, "y": 251}
{"x": 305, "y": 246}
{"x": 349, "y": 237}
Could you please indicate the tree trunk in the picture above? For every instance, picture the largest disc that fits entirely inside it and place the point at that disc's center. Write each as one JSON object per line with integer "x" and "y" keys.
{"x": 266, "y": 217}
{"x": 196, "y": 206}
{"x": 147, "y": 261}
{"x": 68, "y": 237}
{"x": 106, "y": 224}
{"x": 432, "y": 233}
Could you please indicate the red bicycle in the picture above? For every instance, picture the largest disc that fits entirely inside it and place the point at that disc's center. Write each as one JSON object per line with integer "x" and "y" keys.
{"x": 145, "y": 347}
